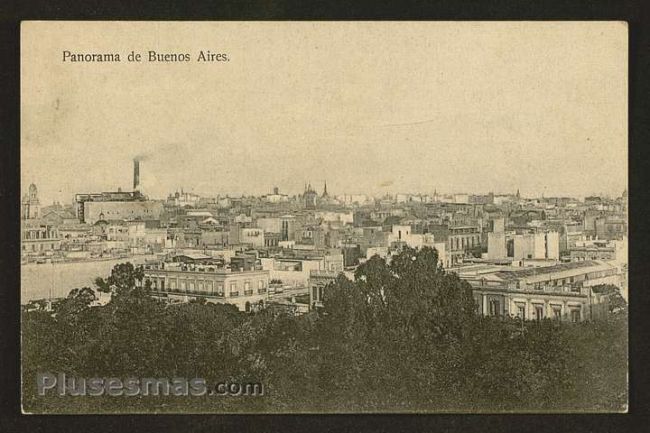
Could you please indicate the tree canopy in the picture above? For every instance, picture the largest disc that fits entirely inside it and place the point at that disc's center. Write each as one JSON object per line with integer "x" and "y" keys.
{"x": 403, "y": 336}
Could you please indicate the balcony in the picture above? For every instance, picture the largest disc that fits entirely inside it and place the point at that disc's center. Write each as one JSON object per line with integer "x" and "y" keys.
{"x": 261, "y": 291}
{"x": 248, "y": 292}
{"x": 174, "y": 291}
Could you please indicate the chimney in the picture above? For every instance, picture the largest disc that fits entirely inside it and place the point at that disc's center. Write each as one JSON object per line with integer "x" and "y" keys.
{"x": 136, "y": 174}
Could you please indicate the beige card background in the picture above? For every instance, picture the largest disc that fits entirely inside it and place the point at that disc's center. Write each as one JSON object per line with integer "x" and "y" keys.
{"x": 371, "y": 107}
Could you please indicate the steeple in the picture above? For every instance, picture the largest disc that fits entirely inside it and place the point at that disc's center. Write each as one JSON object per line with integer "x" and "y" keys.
{"x": 325, "y": 190}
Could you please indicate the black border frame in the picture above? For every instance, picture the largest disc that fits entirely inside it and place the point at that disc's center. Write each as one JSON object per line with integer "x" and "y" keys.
{"x": 634, "y": 12}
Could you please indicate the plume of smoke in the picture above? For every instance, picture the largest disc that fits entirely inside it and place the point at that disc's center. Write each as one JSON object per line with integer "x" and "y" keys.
{"x": 142, "y": 157}
{"x": 168, "y": 148}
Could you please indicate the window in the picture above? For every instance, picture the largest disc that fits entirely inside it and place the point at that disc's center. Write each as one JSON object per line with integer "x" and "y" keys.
{"x": 314, "y": 293}
{"x": 260, "y": 284}
{"x": 539, "y": 312}
{"x": 575, "y": 315}
{"x": 209, "y": 286}
{"x": 521, "y": 311}
{"x": 495, "y": 307}
{"x": 233, "y": 289}
{"x": 557, "y": 312}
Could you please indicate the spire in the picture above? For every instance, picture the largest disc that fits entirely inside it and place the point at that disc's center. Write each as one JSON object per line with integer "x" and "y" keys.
{"x": 325, "y": 190}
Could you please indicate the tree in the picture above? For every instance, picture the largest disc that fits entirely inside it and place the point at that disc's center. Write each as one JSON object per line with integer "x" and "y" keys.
{"x": 616, "y": 302}
{"x": 122, "y": 280}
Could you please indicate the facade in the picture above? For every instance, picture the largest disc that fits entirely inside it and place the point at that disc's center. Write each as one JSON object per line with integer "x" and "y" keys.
{"x": 121, "y": 210}
{"x": 39, "y": 239}
{"x": 462, "y": 239}
{"x": 614, "y": 250}
{"x": 295, "y": 271}
{"x": 537, "y": 246}
{"x": 318, "y": 281}
{"x": 561, "y": 292}
{"x": 206, "y": 278}
{"x": 252, "y": 236}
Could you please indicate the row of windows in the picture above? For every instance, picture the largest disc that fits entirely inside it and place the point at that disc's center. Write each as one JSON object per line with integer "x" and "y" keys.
{"x": 206, "y": 286}
{"x": 39, "y": 247}
{"x": 494, "y": 309}
{"x": 317, "y": 293}
{"x": 457, "y": 243}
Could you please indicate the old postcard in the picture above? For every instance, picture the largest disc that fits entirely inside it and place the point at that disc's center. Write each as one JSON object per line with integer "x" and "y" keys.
{"x": 324, "y": 217}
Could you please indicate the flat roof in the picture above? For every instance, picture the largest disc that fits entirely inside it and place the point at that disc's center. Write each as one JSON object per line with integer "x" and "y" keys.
{"x": 531, "y": 272}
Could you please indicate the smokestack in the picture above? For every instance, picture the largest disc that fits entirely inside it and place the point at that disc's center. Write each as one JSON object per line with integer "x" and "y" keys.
{"x": 136, "y": 174}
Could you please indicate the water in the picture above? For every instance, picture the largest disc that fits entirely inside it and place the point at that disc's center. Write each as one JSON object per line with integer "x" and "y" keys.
{"x": 38, "y": 281}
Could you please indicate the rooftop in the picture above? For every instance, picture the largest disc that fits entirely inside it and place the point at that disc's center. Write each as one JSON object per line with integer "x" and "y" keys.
{"x": 509, "y": 274}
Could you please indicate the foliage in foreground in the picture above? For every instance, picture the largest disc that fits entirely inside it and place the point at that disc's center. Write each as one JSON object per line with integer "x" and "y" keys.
{"x": 403, "y": 337}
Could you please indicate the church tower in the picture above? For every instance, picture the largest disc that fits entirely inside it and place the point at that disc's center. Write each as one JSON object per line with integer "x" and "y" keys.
{"x": 30, "y": 206}
{"x": 310, "y": 197}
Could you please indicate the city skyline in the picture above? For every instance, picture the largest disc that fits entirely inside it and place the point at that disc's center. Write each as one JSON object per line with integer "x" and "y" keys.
{"x": 440, "y": 205}
{"x": 467, "y": 107}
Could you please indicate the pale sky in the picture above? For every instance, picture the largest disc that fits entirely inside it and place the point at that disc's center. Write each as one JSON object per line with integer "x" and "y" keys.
{"x": 371, "y": 107}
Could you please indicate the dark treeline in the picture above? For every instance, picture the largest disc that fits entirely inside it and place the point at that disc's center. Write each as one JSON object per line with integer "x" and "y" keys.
{"x": 403, "y": 337}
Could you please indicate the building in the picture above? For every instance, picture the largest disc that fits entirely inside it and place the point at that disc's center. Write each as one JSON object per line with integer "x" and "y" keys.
{"x": 461, "y": 240}
{"x": 59, "y": 217}
{"x": 202, "y": 276}
{"x": 318, "y": 281}
{"x": 30, "y": 204}
{"x": 536, "y": 246}
{"x": 561, "y": 291}
{"x": 497, "y": 246}
{"x": 294, "y": 270}
{"x": 121, "y": 210}
{"x": 39, "y": 238}
{"x": 613, "y": 250}
{"x": 117, "y": 205}
{"x": 309, "y": 197}
{"x": 253, "y": 237}
{"x": 276, "y": 197}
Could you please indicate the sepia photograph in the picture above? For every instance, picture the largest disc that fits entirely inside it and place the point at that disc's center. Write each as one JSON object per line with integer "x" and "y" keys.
{"x": 274, "y": 217}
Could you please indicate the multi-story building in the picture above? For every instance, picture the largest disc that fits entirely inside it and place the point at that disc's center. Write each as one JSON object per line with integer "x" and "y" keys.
{"x": 39, "y": 238}
{"x": 461, "y": 239}
{"x": 537, "y": 246}
{"x": 560, "y": 292}
{"x": 614, "y": 250}
{"x": 199, "y": 276}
